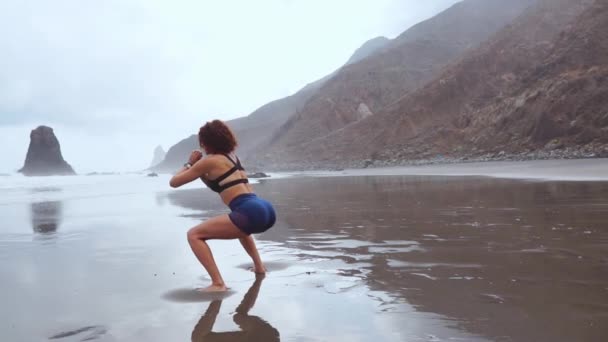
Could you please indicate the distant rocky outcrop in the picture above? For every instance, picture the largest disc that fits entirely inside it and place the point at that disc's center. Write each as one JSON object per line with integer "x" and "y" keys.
{"x": 159, "y": 155}
{"x": 258, "y": 175}
{"x": 44, "y": 155}
{"x": 95, "y": 173}
{"x": 177, "y": 155}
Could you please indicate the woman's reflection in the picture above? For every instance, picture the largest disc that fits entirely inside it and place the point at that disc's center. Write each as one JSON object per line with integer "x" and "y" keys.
{"x": 45, "y": 216}
{"x": 253, "y": 328}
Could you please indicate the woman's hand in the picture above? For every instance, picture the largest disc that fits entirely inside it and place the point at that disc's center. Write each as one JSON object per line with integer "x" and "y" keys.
{"x": 195, "y": 156}
{"x": 188, "y": 174}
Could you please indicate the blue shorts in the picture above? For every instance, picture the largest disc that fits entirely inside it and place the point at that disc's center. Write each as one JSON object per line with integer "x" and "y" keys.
{"x": 251, "y": 214}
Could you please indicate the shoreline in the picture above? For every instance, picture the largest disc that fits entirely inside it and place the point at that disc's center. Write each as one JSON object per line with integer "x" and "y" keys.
{"x": 583, "y": 169}
{"x": 595, "y": 169}
{"x": 400, "y": 158}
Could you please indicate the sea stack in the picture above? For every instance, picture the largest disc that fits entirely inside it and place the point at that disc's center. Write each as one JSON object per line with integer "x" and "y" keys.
{"x": 159, "y": 156}
{"x": 44, "y": 155}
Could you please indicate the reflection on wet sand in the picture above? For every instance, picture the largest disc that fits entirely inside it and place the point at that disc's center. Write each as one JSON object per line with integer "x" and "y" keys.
{"x": 45, "y": 216}
{"x": 253, "y": 328}
{"x": 189, "y": 295}
{"x": 506, "y": 259}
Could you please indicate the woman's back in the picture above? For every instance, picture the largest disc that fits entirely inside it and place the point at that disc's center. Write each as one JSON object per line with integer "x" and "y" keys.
{"x": 226, "y": 176}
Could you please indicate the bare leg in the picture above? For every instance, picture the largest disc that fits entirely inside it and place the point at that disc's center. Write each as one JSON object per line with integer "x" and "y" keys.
{"x": 219, "y": 227}
{"x": 249, "y": 245}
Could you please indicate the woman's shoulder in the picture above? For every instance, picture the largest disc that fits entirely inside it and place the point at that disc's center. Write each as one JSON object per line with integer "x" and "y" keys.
{"x": 215, "y": 159}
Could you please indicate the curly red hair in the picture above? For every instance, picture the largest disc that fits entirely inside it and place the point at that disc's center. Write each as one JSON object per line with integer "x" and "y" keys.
{"x": 217, "y": 138}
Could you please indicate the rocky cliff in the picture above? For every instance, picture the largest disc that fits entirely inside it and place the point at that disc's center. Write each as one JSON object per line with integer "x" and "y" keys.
{"x": 406, "y": 64}
{"x": 537, "y": 88}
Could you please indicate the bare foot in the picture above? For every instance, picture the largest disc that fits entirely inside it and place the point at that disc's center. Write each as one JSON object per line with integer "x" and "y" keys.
{"x": 213, "y": 288}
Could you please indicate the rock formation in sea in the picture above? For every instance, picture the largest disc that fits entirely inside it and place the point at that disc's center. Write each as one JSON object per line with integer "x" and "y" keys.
{"x": 44, "y": 155}
{"x": 159, "y": 155}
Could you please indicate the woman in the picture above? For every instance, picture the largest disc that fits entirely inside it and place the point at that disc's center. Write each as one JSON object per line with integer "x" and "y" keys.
{"x": 222, "y": 172}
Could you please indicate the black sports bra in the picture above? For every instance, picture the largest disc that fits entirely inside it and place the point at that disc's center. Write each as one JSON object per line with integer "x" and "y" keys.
{"x": 214, "y": 185}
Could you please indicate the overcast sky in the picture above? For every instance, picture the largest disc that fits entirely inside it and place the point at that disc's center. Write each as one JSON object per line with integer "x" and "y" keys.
{"x": 116, "y": 78}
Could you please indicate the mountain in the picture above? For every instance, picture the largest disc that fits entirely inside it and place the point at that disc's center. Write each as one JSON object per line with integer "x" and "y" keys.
{"x": 540, "y": 84}
{"x": 408, "y": 62}
{"x": 369, "y": 48}
{"x": 44, "y": 156}
{"x": 256, "y": 129}
{"x": 251, "y": 131}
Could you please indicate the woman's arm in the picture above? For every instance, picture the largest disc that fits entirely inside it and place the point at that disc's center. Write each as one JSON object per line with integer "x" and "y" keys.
{"x": 188, "y": 174}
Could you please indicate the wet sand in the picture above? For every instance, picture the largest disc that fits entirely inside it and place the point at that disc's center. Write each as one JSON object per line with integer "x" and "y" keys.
{"x": 366, "y": 258}
{"x": 499, "y": 259}
{"x": 558, "y": 170}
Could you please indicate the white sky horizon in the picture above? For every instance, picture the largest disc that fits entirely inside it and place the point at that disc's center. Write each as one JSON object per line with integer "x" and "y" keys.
{"x": 117, "y": 78}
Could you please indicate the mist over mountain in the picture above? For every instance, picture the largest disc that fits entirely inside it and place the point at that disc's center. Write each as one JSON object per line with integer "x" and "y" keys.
{"x": 253, "y": 130}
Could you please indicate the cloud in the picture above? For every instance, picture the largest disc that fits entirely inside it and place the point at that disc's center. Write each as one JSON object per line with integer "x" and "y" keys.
{"x": 78, "y": 62}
